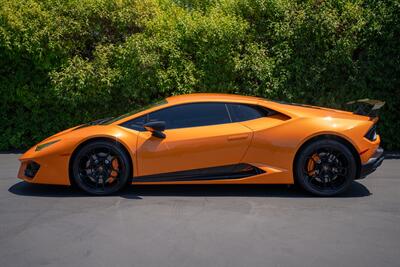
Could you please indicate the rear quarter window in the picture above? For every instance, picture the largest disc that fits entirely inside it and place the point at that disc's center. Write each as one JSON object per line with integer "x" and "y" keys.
{"x": 244, "y": 112}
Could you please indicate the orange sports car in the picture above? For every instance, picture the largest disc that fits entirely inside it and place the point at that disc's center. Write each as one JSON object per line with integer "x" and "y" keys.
{"x": 213, "y": 139}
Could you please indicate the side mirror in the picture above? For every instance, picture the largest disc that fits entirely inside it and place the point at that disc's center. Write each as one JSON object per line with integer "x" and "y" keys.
{"x": 156, "y": 128}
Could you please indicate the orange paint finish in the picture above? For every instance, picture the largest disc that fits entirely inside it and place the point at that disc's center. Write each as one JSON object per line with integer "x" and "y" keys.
{"x": 54, "y": 160}
{"x": 190, "y": 148}
{"x": 269, "y": 143}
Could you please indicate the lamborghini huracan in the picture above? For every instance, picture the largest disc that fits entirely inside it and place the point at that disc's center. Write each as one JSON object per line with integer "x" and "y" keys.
{"x": 213, "y": 139}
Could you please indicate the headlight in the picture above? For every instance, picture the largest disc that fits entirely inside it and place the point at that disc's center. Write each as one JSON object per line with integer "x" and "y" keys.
{"x": 42, "y": 146}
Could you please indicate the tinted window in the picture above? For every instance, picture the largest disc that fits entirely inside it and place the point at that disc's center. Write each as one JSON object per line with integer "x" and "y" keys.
{"x": 136, "y": 124}
{"x": 192, "y": 115}
{"x": 158, "y": 103}
{"x": 242, "y": 112}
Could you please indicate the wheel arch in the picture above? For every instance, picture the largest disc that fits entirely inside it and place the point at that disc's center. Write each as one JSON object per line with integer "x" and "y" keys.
{"x": 330, "y": 136}
{"x": 94, "y": 139}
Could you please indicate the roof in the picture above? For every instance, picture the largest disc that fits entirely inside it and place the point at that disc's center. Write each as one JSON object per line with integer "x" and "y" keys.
{"x": 210, "y": 97}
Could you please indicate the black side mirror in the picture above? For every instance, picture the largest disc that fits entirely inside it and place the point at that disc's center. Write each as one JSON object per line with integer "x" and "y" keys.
{"x": 156, "y": 128}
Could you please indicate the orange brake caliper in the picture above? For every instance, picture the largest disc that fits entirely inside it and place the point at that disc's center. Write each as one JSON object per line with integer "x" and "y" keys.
{"x": 311, "y": 164}
{"x": 114, "y": 172}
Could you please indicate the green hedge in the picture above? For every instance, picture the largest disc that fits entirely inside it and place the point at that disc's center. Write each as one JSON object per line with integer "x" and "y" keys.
{"x": 67, "y": 62}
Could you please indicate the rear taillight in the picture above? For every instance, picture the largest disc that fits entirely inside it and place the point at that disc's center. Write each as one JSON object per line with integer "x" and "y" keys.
{"x": 371, "y": 134}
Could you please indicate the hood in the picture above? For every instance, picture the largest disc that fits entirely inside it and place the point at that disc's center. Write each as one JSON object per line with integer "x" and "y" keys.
{"x": 89, "y": 124}
{"x": 60, "y": 133}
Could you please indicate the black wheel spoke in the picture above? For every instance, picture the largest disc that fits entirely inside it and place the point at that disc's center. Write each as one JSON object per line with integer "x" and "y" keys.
{"x": 97, "y": 170}
{"x": 328, "y": 172}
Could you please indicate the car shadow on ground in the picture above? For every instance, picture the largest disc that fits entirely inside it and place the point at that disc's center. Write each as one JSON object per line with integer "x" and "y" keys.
{"x": 140, "y": 191}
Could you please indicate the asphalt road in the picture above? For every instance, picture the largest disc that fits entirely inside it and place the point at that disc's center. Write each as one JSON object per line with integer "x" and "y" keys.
{"x": 200, "y": 225}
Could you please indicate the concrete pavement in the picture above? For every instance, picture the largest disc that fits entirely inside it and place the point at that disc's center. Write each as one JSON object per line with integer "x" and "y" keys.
{"x": 200, "y": 225}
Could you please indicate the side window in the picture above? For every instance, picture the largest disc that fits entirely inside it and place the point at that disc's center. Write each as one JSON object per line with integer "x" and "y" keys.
{"x": 192, "y": 115}
{"x": 243, "y": 112}
{"x": 136, "y": 124}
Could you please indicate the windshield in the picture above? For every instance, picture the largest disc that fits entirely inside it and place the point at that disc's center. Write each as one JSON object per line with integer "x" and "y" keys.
{"x": 137, "y": 110}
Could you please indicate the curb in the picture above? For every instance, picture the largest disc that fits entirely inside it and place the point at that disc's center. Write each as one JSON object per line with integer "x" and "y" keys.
{"x": 391, "y": 155}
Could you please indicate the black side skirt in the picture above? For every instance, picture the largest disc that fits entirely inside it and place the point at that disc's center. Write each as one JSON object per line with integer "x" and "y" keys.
{"x": 235, "y": 171}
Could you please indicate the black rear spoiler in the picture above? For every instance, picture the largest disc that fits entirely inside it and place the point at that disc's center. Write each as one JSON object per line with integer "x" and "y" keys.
{"x": 367, "y": 107}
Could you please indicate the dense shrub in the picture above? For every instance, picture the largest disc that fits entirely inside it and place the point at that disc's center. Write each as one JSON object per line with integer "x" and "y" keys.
{"x": 66, "y": 62}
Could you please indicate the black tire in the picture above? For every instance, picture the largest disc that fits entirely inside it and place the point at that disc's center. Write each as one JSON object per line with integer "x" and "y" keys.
{"x": 325, "y": 168}
{"x": 101, "y": 168}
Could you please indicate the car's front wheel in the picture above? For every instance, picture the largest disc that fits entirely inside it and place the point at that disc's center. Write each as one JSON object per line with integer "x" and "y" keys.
{"x": 101, "y": 168}
{"x": 325, "y": 167}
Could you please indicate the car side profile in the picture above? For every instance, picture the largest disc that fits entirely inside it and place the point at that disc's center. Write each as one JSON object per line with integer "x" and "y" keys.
{"x": 212, "y": 139}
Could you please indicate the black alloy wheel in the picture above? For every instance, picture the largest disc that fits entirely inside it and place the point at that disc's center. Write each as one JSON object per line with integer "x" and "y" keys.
{"x": 325, "y": 168}
{"x": 101, "y": 168}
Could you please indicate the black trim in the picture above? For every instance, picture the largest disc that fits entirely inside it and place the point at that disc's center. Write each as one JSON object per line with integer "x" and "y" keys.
{"x": 371, "y": 134}
{"x": 373, "y": 163}
{"x": 31, "y": 169}
{"x": 235, "y": 171}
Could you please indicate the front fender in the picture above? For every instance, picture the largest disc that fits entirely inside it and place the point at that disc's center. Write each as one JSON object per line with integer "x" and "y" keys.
{"x": 54, "y": 160}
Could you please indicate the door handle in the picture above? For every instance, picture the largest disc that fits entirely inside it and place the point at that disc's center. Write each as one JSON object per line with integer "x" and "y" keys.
{"x": 237, "y": 137}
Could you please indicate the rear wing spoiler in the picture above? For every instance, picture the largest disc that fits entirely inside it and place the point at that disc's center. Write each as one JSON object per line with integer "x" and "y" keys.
{"x": 367, "y": 107}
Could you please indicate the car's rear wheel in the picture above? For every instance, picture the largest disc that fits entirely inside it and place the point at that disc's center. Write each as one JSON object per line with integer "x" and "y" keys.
{"x": 101, "y": 168}
{"x": 325, "y": 167}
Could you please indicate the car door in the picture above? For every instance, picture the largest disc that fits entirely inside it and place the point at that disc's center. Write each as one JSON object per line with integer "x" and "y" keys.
{"x": 268, "y": 147}
{"x": 198, "y": 136}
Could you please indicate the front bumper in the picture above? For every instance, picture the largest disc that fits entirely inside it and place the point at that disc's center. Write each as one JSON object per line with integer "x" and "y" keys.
{"x": 373, "y": 163}
{"x": 45, "y": 167}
